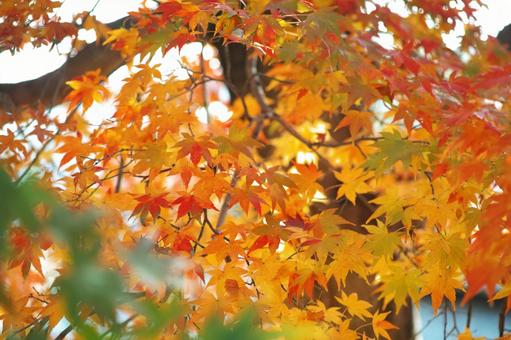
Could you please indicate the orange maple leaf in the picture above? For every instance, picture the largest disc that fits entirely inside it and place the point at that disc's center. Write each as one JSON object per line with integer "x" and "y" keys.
{"x": 87, "y": 89}
{"x": 380, "y": 325}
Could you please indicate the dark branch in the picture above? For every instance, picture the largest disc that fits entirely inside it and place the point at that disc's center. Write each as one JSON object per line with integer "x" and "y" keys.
{"x": 50, "y": 89}
{"x": 504, "y": 37}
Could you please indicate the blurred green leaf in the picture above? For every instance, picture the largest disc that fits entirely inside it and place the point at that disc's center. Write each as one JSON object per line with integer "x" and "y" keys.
{"x": 244, "y": 327}
{"x": 149, "y": 268}
{"x": 91, "y": 285}
{"x": 158, "y": 316}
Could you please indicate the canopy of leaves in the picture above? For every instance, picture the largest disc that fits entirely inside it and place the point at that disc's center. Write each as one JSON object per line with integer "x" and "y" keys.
{"x": 339, "y": 180}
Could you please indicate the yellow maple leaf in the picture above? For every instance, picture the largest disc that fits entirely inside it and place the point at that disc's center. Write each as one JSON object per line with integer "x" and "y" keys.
{"x": 440, "y": 283}
{"x": 154, "y": 157}
{"x": 398, "y": 283}
{"x": 353, "y": 183}
{"x": 123, "y": 40}
{"x": 391, "y": 204}
{"x": 444, "y": 250}
{"x": 356, "y": 307}
{"x": 342, "y": 332}
{"x": 382, "y": 242}
{"x": 467, "y": 335}
{"x": 349, "y": 256}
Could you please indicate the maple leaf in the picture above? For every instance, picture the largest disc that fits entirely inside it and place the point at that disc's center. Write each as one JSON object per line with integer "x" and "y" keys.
{"x": 271, "y": 234}
{"x": 504, "y": 292}
{"x": 444, "y": 250}
{"x": 211, "y": 183}
{"x": 197, "y": 149}
{"x": 494, "y": 77}
{"x": 356, "y": 307}
{"x": 252, "y": 175}
{"x": 440, "y": 283}
{"x": 277, "y": 184}
{"x": 380, "y": 325}
{"x": 382, "y": 242}
{"x": 87, "y": 89}
{"x": 123, "y": 40}
{"x": 306, "y": 180}
{"x": 247, "y": 196}
{"x": 239, "y": 141}
{"x": 9, "y": 142}
{"x": 171, "y": 9}
{"x": 398, "y": 283}
{"x": 331, "y": 314}
{"x": 467, "y": 335}
{"x": 391, "y": 204}
{"x": 27, "y": 254}
{"x": 261, "y": 241}
{"x": 56, "y": 31}
{"x": 182, "y": 243}
{"x": 349, "y": 256}
{"x": 344, "y": 332}
{"x": 301, "y": 283}
{"x": 150, "y": 204}
{"x": 74, "y": 148}
{"x": 153, "y": 158}
{"x": 91, "y": 23}
{"x": 391, "y": 149}
{"x": 179, "y": 39}
{"x": 191, "y": 204}
{"x": 55, "y": 311}
{"x": 357, "y": 121}
{"x": 353, "y": 182}
{"x": 329, "y": 221}
{"x": 220, "y": 249}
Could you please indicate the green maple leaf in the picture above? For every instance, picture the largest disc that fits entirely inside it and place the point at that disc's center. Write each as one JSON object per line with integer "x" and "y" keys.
{"x": 288, "y": 51}
{"x": 393, "y": 148}
{"x": 381, "y": 242}
{"x": 399, "y": 283}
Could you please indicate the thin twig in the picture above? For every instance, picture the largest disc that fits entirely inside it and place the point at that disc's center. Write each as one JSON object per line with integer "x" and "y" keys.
{"x": 204, "y": 87}
{"x": 445, "y": 320}
{"x": 226, "y": 203}
{"x": 502, "y": 319}
{"x": 427, "y": 324}
{"x": 201, "y": 231}
{"x": 469, "y": 314}
{"x": 119, "y": 175}
{"x": 44, "y": 146}
{"x": 228, "y": 66}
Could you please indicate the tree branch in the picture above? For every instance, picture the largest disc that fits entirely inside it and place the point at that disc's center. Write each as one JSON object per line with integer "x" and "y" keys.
{"x": 49, "y": 89}
{"x": 504, "y": 37}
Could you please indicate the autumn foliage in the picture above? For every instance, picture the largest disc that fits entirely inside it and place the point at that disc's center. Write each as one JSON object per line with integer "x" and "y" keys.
{"x": 350, "y": 180}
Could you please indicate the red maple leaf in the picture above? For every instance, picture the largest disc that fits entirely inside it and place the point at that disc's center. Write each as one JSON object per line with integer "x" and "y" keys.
{"x": 150, "y": 204}
{"x": 191, "y": 204}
